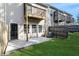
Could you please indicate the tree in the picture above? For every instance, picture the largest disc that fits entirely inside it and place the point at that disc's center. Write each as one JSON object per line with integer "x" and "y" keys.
{"x": 78, "y": 18}
{"x": 3, "y": 38}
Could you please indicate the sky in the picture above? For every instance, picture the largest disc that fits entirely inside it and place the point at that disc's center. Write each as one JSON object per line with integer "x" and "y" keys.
{"x": 72, "y": 8}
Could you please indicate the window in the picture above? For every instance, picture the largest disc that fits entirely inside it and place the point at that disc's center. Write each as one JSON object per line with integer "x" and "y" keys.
{"x": 34, "y": 28}
{"x": 60, "y": 20}
{"x": 40, "y": 28}
{"x": 25, "y": 28}
{"x": 55, "y": 16}
{"x": 62, "y": 17}
{"x": 67, "y": 21}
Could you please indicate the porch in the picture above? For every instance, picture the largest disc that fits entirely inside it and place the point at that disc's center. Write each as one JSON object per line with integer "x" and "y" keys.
{"x": 16, "y": 44}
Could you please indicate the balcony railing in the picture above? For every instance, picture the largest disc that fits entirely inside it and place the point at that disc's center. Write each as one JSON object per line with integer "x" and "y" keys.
{"x": 36, "y": 12}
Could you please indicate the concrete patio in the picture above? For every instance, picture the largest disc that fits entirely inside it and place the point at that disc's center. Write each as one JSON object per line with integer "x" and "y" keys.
{"x": 16, "y": 44}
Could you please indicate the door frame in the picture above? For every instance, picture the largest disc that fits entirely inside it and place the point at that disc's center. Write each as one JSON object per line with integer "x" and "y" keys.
{"x": 36, "y": 29}
{"x": 10, "y": 31}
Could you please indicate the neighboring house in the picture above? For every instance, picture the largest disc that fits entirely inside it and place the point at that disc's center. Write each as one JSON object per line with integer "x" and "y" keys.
{"x": 40, "y": 17}
{"x": 59, "y": 17}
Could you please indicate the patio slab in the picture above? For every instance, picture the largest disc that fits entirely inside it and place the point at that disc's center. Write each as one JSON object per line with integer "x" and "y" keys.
{"x": 16, "y": 44}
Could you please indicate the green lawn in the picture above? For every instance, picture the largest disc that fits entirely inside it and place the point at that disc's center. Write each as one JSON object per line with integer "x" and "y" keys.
{"x": 54, "y": 47}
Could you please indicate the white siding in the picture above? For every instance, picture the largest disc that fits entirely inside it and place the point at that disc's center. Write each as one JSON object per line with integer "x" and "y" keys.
{"x": 14, "y": 14}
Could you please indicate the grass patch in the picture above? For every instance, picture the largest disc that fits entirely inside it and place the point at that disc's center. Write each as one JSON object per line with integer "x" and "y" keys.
{"x": 54, "y": 47}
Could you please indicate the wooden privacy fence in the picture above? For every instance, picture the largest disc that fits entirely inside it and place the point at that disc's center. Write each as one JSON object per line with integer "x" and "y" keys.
{"x": 73, "y": 28}
{"x": 58, "y": 31}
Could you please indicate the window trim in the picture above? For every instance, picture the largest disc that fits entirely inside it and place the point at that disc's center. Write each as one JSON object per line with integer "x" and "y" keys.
{"x": 34, "y": 28}
{"x": 39, "y": 28}
{"x": 25, "y": 29}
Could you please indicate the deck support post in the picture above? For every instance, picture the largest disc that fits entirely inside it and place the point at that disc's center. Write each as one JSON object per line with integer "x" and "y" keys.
{"x": 26, "y": 20}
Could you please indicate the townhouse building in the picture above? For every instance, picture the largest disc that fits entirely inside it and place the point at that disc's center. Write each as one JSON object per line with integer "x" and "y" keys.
{"x": 13, "y": 17}
{"x": 17, "y": 19}
{"x": 21, "y": 21}
{"x": 37, "y": 14}
{"x": 59, "y": 17}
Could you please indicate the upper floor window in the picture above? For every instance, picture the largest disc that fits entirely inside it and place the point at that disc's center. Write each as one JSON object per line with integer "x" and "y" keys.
{"x": 55, "y": 16}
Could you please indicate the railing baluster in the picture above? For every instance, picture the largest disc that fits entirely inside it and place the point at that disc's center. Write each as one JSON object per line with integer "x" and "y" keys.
{"x": 38, "y": 12}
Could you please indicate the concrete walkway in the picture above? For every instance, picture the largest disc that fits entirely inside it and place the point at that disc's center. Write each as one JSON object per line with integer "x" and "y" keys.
{"x": 16, "y": 44}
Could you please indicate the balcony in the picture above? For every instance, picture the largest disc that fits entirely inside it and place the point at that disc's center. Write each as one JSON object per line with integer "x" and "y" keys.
{"x": 35, "y": 12}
